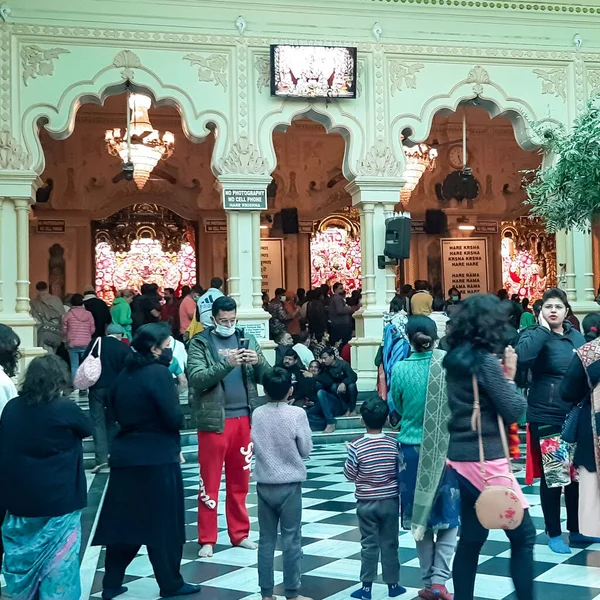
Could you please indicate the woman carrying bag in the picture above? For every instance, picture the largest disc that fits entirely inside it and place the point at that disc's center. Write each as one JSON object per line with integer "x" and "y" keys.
{"x": 480, "y": 389}
{"x": 581, "y": 388}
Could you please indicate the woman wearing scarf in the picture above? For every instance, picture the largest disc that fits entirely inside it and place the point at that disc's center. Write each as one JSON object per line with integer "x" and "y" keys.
{"x": 581, "y": 387}
{"x": 41, "y": 456}
{"x": 428, "y": 490}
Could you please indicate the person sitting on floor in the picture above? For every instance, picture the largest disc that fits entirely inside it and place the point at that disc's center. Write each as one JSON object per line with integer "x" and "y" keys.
{"x": 291, "y": 363}
{"x": 344, "y": 380}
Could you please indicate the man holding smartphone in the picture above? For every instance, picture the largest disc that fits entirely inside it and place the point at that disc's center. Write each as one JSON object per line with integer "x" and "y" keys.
{"x": 224, "y": 367}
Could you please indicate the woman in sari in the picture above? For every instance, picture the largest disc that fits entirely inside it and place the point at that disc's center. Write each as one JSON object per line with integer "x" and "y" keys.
{"x": 581, "y": 386}
{"x": 41, "y": 456}
{"x": 293, "y": 310}
{"x": 428, "y": 489}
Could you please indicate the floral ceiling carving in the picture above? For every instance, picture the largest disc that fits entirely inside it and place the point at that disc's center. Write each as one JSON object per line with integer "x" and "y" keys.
{"x": 262, "y": 64}
{"x": 127, "y": 60}
{"x": 37, "y": 62}
{"x": 379, "y": 162}
{"x": 403, "y": 75}
{"x": 244, "y": 159}
{"x": 12, "y": 155}
{"x": 554, "y": 82}
{"x": 478, "y": 76}
{"x": 211, "y": 68}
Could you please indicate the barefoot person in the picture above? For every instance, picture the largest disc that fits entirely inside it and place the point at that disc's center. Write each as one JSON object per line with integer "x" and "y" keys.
{"x": 223, "y": 370}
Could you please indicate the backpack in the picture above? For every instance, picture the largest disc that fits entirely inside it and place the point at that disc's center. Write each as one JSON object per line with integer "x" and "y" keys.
{"x": 395, "y": 348}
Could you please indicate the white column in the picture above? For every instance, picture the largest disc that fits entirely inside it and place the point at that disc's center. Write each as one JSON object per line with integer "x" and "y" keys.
{"x": 22, "y": 207}
{"x": 243, "y": 256}
{"x": 17, "y": 190}
{"x": 583, "y": 273}
{"x": 375, "y": 199}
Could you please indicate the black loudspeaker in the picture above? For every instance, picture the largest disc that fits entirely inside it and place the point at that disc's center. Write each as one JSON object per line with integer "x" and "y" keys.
{"x": 436, "y": 222}
{"x": 289, "y": 220}
{"x": 397, "y": 238}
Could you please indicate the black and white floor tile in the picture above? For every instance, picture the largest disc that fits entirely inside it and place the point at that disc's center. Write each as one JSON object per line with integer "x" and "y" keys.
{"x": 331, "y": 543}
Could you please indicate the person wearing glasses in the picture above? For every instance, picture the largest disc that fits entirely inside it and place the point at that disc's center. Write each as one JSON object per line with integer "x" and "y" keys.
{"x": 224, "y": 368}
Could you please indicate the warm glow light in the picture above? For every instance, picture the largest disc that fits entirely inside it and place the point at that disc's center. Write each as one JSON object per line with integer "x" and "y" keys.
{"x": 467, "y": 227}
{"x": 264, "y": 227}
{"x": 419, "y": 158}
{"x": 146, "y": 147}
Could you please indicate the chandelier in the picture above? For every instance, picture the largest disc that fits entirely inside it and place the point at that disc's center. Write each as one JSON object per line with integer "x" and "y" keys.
{"x": 140, "y": 144}
{"x": 419, "y": 158}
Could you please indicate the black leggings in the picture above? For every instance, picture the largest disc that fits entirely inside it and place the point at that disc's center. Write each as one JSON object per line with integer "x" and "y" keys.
{"x": 472, "y": 537}
{"x": 550, "y": 498}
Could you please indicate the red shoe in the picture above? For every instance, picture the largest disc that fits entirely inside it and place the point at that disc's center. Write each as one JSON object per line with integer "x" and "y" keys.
{"x": 436, "y": 592}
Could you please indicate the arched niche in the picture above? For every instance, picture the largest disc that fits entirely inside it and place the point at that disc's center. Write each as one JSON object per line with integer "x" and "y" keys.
{"x": 477, "y": 89}
{"x": 59, "y": 118}
{"x": 333, "y": 118}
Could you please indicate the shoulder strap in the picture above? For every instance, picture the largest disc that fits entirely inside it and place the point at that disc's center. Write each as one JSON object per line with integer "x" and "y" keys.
{"x": 96, "y": 343}
{"x": 476, "y": 426}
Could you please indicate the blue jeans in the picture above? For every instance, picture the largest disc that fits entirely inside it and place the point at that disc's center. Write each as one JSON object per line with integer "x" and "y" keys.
{"x": 76, "y": 357}
{"x": 325, "y": 410}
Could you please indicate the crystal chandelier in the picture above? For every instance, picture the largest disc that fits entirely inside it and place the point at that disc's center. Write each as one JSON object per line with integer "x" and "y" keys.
{"x": 139, "y": 144}
{"x": 419, "y": 158}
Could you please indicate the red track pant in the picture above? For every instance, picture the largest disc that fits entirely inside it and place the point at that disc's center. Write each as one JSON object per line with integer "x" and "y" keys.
{"x": 232, "y": 448}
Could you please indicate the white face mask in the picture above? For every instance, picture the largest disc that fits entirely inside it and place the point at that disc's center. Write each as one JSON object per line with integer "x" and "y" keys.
{"x": 283, "y": 298}
{"x": 224, "y": 331}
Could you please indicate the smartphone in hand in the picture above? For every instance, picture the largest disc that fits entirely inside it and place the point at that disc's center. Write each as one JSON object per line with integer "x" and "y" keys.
{"x": 244, "y": 344}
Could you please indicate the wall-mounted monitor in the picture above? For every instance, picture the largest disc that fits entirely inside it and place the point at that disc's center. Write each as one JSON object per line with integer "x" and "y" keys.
{"x": 313, "y": 71}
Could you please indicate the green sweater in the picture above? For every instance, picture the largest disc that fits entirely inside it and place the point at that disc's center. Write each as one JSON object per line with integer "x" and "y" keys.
{"x": 121, "y": 315}
{"x": 409, "y": 393}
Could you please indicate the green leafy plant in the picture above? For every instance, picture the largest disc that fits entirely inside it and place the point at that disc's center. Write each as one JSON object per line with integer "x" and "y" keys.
{"x": 566, "y": 195}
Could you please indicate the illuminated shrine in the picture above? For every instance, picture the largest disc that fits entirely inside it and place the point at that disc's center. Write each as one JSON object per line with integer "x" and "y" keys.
{"x": 144, "y": 243}
{"x": 335, "y": 253}
{"x": 528, "y": 258}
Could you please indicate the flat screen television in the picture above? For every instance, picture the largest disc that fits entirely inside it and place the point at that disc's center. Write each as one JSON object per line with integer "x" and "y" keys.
{"x": 313, "y": 71}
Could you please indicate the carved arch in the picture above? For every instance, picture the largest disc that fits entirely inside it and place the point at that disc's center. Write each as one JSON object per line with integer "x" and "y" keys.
{"x": 59, "y": 119}
{"x": 332, "y": 116}
{"x": 476, "y": 86}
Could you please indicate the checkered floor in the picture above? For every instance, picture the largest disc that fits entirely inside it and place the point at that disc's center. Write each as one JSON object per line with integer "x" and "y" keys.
{"x": 331, "y": 543}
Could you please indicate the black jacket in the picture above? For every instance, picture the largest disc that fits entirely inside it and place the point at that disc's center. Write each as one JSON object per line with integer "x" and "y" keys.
{"x": 497, "y": 396}
{"x": 341, "y": 372}
{"x": 574, "y": 389}
{"x": 547, "y": 355}
{"x": 101, "y": 314}
{"x": 41, "y": 458}
{"x": 112, "y": 357}
{"x": 145, "y": 403}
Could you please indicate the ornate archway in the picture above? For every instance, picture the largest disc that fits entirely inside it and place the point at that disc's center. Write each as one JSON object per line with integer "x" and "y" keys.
{"x": 144, "y": 243}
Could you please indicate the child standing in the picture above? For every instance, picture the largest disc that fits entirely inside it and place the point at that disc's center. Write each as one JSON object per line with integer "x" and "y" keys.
{"x": 282, "y": 440}
{"x": 372, "y": 464}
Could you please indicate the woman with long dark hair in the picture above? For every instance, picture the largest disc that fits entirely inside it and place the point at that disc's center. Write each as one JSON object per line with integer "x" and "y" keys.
{"x": 476, "y": 342}
{"x": 144, "y": 501}
{"x": 546, "y": 351}
{"x": 44, "y": 485}
{"x": 580, "y": 386}
{"x": 9, "y": 360}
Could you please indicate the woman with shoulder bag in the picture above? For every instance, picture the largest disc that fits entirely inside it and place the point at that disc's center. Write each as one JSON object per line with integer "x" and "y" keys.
{"x": 480, "y": 390}
{"x": 581, "y": 388}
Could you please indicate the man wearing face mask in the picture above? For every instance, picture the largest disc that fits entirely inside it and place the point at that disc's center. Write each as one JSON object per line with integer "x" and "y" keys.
{"x": 224, "y": 367}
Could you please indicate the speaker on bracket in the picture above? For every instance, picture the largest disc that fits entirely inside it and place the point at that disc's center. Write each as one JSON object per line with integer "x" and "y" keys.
{"x": 436, "y": 222}
{"x": 397, "y": 238}
{"x": 289, "y": 220}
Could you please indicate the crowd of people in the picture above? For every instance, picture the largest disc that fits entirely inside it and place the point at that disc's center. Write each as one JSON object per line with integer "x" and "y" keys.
{"x": 457, "y": 376}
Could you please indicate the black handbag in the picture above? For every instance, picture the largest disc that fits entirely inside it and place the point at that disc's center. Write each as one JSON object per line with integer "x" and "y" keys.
{"x": 569, "y": 428}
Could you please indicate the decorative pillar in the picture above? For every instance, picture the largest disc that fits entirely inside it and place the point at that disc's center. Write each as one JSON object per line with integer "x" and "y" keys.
{"x": 375, "y": 199}
{"x": 17, "y": 190}
{"x": 22, "y": 207}
{"x": 243, "y": 255}
{"x": 304, "y": 261}
{"x": 583, "y": 272}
